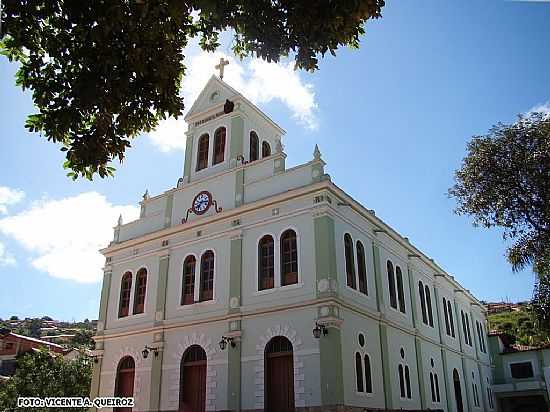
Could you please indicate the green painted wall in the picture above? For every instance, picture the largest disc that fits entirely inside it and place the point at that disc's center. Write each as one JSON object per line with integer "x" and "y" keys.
{"x": 188, "y": 156}
{"x": 325, "y": 249}
{"x": 237, "y": 137}
{"x": 384, "y": 344}
{"x": 234, "y": 377}
{"x": 168, "y": 210}
{"x": 332, "y": 381}
{"x": 164, "y": 263}
{"x": 156, "y": 378}
{"x": 104, "y": 302}
{"x": 377, "y": 276}
{"x": 235, "y": 271}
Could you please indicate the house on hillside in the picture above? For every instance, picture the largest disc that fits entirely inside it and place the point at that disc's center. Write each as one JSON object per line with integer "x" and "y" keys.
{"x": 13, "y": 345}
{"x": 521, "y": 375}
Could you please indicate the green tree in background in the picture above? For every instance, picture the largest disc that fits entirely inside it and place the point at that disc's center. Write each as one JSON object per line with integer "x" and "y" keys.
{"x": 42, "y": 374}
{"x": 101, "y": 72}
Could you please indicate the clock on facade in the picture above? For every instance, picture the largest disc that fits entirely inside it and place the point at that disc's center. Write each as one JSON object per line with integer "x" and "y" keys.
{"x": 202, "y": 202}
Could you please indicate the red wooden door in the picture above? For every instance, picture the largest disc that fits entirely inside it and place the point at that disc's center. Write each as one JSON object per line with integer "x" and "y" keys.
{"x": 125, "y": 381}
{"x": 279, "y": 383}
{"x": 193, "y": 381}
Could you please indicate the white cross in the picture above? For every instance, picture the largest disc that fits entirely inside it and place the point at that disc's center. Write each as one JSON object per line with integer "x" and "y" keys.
{"x": 221, "y": 65}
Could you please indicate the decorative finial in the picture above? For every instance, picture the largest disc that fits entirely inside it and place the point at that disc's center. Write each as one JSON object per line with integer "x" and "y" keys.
{"x": 146, "y": 195}
{"x": 317, "y": 153}
{"x": 223, "y": 62}
{"x": 120, "y": 220}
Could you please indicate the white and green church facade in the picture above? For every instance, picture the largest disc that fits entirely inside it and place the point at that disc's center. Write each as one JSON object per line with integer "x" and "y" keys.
{"x": 248, "y": 252}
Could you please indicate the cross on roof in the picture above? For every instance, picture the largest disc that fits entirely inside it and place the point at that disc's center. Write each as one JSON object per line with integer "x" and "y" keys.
{"x": 221, "y": 65}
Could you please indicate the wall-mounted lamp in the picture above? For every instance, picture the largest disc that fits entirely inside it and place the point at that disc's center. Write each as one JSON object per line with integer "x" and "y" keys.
{"x": 147, "y": 349}
{"x": 318, "y": 329}
{"x": 225, "y": 340}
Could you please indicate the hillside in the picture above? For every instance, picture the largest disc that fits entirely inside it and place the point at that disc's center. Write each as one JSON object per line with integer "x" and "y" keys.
{"x": 519, "y": 324}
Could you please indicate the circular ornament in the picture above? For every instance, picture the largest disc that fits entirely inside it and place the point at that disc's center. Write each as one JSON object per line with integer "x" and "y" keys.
{"x": 202, "y": 202}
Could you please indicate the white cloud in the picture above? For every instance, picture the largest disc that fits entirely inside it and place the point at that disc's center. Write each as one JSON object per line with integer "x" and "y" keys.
{"x": 6, "y": 259}
{"x": 64, "y": 236}
{"x": 542, "y": 108}
{"x": 257, "y": 80}
{"x": 9, "y": 197}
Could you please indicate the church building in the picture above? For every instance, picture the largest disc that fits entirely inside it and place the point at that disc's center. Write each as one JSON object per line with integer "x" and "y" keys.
{"x": 251, "y": 286}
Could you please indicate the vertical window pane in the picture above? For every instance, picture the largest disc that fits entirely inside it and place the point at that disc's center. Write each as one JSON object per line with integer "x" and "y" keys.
{"x": 188, "y": 292}
{"x": 350, "y": 264}
{"x": 207, "y": 276}
{"x": 289, "y": 258}
{"x": 400, "y": 292}
{"x": 139, "y": 294}
{"x": 368, "y": 376}
{"x": 254, "y": 146}
{"x": 125, "y": 288}
{"x": 266, "y": 149}
{"x": 359, "y": 372}
{"x": 361, "y": 265}
{"x": 391, "y": 285}
{"x": 266, "y": 263}
{"x": 408, "y": 382}
{"x": 429, "y": 306}
{"x": 401, "y": 381}
{"x": 202, "y": 154}
{"x": 219, "y": 145}
{"x": 422, "y": 302}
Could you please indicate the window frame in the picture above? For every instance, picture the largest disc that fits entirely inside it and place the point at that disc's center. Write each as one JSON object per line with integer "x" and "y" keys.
{"x": 257, "y": 147}
{"x": 361, "y": 268}
{"x": 528, "y": 361}
{"x": 199, "y": 167}
{"x": 216, "y": 160}
{"x": 194, "y": 277}
{"x": 209, "y": 297}
{"x": 259, "y": 257}
{"x": 124, "y": 314}
{"x": 265, "y": 144}
{"x": 349, "y": 261}
{"x": 135, "y": 305}
{"x": 291, "y": 262}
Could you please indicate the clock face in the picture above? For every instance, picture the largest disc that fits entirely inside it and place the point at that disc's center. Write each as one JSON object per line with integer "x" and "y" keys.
{"x": 202, "y": 202}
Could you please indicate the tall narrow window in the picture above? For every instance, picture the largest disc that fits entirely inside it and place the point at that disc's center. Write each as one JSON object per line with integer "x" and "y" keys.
{"x": 408, "y": 381}
{"x": 361, "y": 266}
{"x": 400, "y": 292}
{"x": 464, "y": 331}
{"x": 254, "y": 146}
{"x": 219, "y": 145}
{"x": 446, "y": 313}
{"x": 188, "y": 289}
{"x": 468, "y": 329}
{"x": 140, "y": 292}
{"x": 350, "y": 264}
{"x": 438, "y": 397}
{"x": 451, "y": 318}
{"x": 432, "y": 387}
{"x": 368, "y": 375}
{"x": 125, "y": 289}
{"x": 359, "y": 372}
{"x": 422, "y": 302}
{"x": 490, "y": 395}
{"x": 266, "y": 149}
{"x": 207, "y": 276}
{"x": 391, "y": 285}
{"x": 429, "y": 306}
{"x": 202, "y": 153}
{"x": 266, "y": 263}
{"x": 401, "y": 381}
{"x": 289, "y": 258}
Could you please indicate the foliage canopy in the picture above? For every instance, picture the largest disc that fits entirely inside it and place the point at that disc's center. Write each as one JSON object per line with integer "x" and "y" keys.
{"x": 101, "y": 72}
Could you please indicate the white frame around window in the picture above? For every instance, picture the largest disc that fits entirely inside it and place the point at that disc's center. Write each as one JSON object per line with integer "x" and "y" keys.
{"x": 509, "y": 369}
{"x": 277, "y": 262}
{"x": 132, "y": 293}
{"x": 210, "y": 161}
{"x": 196, "y": 291}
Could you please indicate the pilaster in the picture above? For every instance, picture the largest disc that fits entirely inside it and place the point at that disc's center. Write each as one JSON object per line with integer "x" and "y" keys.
{"x": 234, "y": 363}
{"x": 325, "y": 255}
{"x": 386, "y": 372}
{"x": 332, "y": 381}
{"x": 156, "y": 372}
{"x": 235, "y": 272}
{"x": 160, "y": 307}
{"x": 188, "y": 157}
{"x": 377, "y": 275}
{"x": 237, "y": 138}
{"x": 104, "y": 302}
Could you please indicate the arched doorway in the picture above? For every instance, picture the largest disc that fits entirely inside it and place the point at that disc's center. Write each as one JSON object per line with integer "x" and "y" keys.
{"x": 193, "y": 380}
{"x": 124, "y": 384}
{"x": 279, "y": 376}
{"x": 458, "y": 391}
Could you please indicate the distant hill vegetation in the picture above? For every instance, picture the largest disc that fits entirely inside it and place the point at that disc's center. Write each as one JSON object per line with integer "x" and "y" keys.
{"x": 519, "y": 323}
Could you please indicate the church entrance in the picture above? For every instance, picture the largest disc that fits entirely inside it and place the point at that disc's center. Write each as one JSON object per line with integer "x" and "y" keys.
{"x": 279, "y": 376}
{"x": 193, "y": 380}
{"x": 124, "y": 385}
{"x": 458, "y": 391}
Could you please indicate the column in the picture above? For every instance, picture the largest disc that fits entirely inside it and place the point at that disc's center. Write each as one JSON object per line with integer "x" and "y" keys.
{"x": 235, "y": 272}
{"x": 234, "y": 367}
{"x": 325, "y": 255}
{"x": 440, "y": 324}
{"x": 188, "y": 157}
{"x": 158, "y": 338}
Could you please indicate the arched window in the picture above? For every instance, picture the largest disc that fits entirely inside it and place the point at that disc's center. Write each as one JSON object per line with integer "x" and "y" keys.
{"x": 468, "y": 329}
{"x": 193, "y": 379}
{"x": 464, "y": 331}
{"x": 368, "y": 375}
{"x": 400, "y": 293}
{"x": 437, "y": 395}
{"x": 359, "y": 372}
{"x": 140, "y": 292}
{"x": 446, "y": 312}
{"x": 361, "y": 266}
{"x": 451, "y": 318}
{"x": 125, "y": 289}
{"x": 207, "y": 276}
{"x": 432, "y": 387}
{"x": 401, "y": 381}
{"x": 289, "y": 258}
{"x": 219, "y": 145}
{"x": 490, "y": 395}
{"x": 408, "y": 382}
{"x": 458, "y": 391}
{"x": 422, "y": 302}
{"x": 188, "y": 289}
{"x": 266, "y": 263}
{"x": 254, "y": 146}
{"x": 391, "y": 285}
{"x": 429, "y": 306}
{"x": 266, "y": 149}
{"x": 202, "y": 153}
{"x": 124, "y": 382}
{"x": 350, "y": 264}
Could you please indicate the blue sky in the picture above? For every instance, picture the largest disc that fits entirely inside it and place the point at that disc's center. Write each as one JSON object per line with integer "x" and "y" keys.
{"x": 391, "y": 119}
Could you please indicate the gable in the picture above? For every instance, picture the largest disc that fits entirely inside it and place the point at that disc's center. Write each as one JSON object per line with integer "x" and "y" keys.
{"x": 213, "y": 94}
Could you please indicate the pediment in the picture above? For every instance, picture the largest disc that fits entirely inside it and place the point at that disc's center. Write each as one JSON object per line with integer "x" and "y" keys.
{"x": 215, "y": 92}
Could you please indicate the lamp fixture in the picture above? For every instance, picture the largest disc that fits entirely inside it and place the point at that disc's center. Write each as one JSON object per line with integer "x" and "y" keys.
{"x": 147, "y": 349}
{"x": 318, "y": 329}
{"x": 225, "y": 340}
